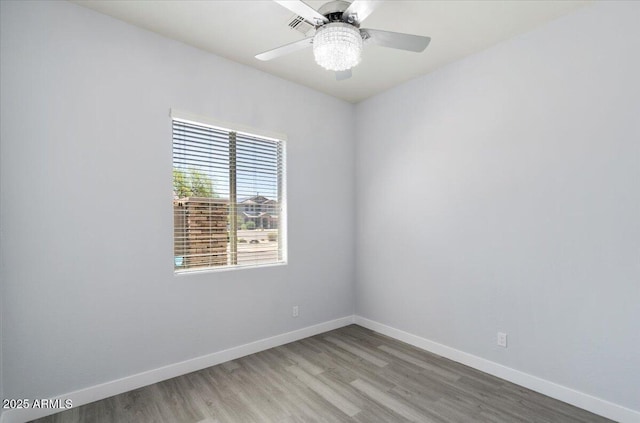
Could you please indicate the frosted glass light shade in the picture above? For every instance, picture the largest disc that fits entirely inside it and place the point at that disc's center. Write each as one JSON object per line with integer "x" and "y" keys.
{"x": 337, "y": 46}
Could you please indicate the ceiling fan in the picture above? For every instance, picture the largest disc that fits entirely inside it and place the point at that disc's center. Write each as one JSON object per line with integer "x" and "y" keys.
{"x": 338, "y": 40}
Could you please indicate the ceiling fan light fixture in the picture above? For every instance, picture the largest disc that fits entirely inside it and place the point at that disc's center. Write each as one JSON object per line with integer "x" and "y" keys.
{"x": 337, "y": 46}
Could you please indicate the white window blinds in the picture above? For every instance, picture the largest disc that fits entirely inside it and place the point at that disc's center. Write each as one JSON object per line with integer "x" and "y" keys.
{"x": 228, "y": 198}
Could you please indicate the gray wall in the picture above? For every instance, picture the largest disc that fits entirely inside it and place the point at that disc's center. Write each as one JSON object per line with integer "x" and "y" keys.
{"x": 86, "y": 213}
{"x": 501, "y": 193}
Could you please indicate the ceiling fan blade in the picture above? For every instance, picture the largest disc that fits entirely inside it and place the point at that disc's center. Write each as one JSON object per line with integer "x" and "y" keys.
{"x": 359, "y": 10}
{"x": 285, "y": 49}
{"x": 302, "y": 9}
{"x": 342, "y": 75}
{"x": 397, "y": 40}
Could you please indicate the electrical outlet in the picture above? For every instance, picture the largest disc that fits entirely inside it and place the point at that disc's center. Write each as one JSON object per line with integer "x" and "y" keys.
{"x": 295, "y": 311}
{"x": 502, "y": 339}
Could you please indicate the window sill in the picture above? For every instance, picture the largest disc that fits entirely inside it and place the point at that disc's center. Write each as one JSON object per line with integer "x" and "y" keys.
{"x": 180, "y": 273}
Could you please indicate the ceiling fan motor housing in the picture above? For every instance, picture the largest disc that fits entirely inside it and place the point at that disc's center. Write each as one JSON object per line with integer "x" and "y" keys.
{"x": 334, "y": 10}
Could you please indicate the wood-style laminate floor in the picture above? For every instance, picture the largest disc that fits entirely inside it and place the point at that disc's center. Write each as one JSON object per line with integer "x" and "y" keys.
{"x": 347, "y": 375}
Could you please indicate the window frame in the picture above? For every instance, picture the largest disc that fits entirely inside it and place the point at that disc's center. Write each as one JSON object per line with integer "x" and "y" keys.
{"x": 281, "y": 138}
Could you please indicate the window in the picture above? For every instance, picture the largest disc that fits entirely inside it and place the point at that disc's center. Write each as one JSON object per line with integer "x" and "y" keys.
{"x": 219, "y": 175}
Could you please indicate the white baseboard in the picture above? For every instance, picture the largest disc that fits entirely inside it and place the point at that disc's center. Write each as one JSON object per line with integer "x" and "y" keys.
{"x": 115, "y": 387}
{"x": 579, "y": 399}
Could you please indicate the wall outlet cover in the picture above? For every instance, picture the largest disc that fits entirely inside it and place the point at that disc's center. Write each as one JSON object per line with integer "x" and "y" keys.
{"x": 502, "y": 339}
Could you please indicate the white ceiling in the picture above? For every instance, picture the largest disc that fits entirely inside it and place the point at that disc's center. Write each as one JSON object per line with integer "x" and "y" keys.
{"x": 240, "y": 29}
